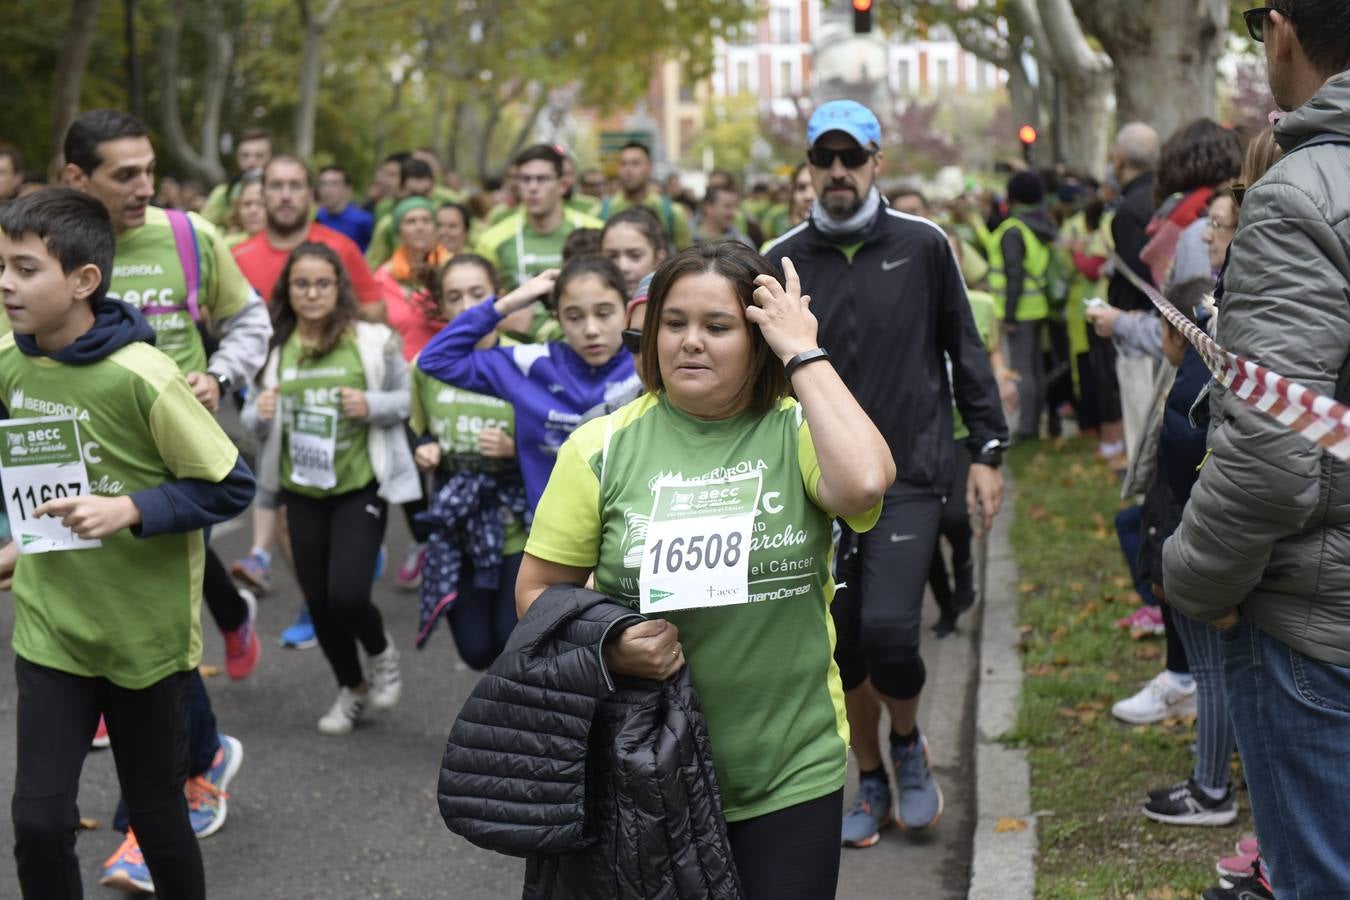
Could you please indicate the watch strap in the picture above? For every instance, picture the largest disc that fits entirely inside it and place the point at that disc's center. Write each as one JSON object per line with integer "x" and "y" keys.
{"x": 801, "y": 359}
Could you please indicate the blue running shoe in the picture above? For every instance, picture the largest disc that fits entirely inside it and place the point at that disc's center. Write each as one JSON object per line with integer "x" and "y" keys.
{"x": 380, "y": 562}
{"x": 206, "y": 792}
{"x": 126, "y": 869}
{"x": 871, "y": 812}
{"x": 920, "y": 797}
{"x": 300, "y": 636}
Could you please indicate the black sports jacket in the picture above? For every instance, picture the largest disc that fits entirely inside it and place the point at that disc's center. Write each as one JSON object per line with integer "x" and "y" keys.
{"x": 888, "y": 311}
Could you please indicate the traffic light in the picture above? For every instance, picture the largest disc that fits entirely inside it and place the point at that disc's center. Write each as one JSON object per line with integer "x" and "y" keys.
{"x": 862, "y": 16}
{"x": 1027, "y": 135}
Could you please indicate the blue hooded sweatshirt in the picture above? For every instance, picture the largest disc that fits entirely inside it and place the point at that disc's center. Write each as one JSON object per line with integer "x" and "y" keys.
{"x": 551, "y": 387}
{"x": 188, "y": 504}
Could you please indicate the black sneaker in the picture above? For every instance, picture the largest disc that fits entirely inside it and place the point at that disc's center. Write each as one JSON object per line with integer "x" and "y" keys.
{"x": 1159, "y": 794}
{"x": 1251, "y": 888}
{"x": 1188, "y": 804}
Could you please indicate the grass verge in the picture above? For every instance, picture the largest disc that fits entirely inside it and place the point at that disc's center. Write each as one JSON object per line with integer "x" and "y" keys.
{"x": 1091, "y": 773}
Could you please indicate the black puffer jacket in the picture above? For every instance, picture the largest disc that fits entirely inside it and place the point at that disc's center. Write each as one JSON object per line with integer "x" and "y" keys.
{"x": 605, "y": 784}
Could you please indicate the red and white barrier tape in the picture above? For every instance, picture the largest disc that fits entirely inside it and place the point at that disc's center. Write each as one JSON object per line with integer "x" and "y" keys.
{"x": 1318, "y": 418}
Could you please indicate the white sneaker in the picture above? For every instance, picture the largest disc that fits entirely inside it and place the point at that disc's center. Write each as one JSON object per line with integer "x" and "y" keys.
{"x": 386, "y": 685}
{"x": 344, "y": 714}
{"x": 1160, "y": 699}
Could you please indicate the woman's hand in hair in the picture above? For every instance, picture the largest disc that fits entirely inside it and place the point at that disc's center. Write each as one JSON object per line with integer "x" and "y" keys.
{"x": 783, "y": 314}
{"x": 267, "y": 404}
{"x": 536, "y": 288}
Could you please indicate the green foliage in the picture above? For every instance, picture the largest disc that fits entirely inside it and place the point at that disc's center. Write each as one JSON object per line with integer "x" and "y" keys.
{"x": 394, "y": 70}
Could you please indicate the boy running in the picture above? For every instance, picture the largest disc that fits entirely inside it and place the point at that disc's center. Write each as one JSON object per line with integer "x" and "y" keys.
{"x": 136, "y": 466}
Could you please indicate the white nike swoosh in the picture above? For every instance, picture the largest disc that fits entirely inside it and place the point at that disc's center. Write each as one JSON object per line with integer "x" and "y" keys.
{"x": 901, "y": 538}
{"x": 888, "y": 264}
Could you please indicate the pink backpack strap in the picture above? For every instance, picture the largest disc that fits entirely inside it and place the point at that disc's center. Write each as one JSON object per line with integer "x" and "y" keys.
{"x": 189, "y": 256}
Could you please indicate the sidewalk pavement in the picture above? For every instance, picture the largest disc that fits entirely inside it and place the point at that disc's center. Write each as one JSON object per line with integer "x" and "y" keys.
{"x": 1003, "y": 865}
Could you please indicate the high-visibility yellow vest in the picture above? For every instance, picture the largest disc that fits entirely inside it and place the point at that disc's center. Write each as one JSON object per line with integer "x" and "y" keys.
{"x": 1032, "y": 304}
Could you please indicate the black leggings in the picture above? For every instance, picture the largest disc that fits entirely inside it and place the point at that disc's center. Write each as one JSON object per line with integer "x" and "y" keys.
{"x": 58, "y": 713}
{"x": 955, "y": 527}
{"x": 222, "y": 597}
{"x": 878, "y": 606}
{"x": 335, "y": 541}
{"x": 791, "y": 854}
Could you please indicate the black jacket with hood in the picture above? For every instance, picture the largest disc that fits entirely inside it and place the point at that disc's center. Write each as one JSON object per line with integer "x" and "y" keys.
{"x": 891, "y": 303}
{"x": 605, "y": 784}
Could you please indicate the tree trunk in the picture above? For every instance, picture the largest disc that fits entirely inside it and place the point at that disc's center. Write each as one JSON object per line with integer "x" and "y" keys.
{"x": 451, "y": 152}
{"x": 219, "y": 58}
{"x": 311, "y": 68}
{"x": 204, "y": 165}
{"x": 1165, "y": 53}
{"x": 1086, "y": 77}
{"x": 70, "y": 70}
{"x": 527, "y": 127}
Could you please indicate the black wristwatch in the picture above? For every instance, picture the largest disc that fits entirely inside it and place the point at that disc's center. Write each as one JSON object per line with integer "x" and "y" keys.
{"x": 225, "y": 382}
{"x": 991, "y": 454}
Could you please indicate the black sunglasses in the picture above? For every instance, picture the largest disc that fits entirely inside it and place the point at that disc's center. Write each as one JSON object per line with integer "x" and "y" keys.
{"x": 632, "y": 340}
{"x": 1256, "y": 21}
{"x": 852, "y": 157}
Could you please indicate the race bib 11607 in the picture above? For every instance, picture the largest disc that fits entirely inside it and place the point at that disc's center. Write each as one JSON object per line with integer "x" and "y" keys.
{"x": 40, "y": 460}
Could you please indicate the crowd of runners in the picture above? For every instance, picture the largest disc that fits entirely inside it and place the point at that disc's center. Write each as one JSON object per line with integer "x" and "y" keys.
{"x": 772, "y": 420}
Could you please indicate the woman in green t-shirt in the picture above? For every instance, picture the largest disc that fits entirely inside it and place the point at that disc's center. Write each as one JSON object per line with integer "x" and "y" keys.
{"x": 330, "y": 413}
{"x": 461, "y": 431}
{"x": 708, "y": 501}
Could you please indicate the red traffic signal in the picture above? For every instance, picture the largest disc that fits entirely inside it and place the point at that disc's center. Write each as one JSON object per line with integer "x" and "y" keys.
{"x": 1026, "y": 134}
{"x": 862, "y": 16}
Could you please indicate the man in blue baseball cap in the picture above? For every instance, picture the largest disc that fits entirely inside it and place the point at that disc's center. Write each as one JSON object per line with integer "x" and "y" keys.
{"x": 892, "y": 311}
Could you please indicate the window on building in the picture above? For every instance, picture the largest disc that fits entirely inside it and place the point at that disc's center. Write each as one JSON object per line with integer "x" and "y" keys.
{"x": 743, "y": 76}
{"x": 944, "y": 73}
{"x": 782, "y": 20}
{"x": 785, "y": 87}
{"x": 902, "y": 81}
{"x": 982, "y": 74}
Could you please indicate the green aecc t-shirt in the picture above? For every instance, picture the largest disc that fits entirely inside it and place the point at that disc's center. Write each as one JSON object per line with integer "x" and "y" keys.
{"x": 315, "y": 384}
{"x": 765, "y": 669}
{"x": 456, "y": 417}
{"x": 128, "y": 611}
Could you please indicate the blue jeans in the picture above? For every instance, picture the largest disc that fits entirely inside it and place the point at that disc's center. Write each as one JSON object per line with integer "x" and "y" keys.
{"x": 1292, "y": 717}
{"x": 1129, "y": 521}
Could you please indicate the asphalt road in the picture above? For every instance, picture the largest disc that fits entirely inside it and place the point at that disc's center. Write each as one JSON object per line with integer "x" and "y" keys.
{"x": 355, "y": 817}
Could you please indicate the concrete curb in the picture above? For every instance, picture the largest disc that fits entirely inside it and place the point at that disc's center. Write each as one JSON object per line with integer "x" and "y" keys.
{"x": 1003, "y": 865}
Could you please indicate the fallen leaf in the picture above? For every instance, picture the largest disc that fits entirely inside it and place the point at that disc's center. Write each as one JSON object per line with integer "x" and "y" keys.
{"x": 1026, "y": 587}
{"x": 1059, "y": 634}
{"x": 1112, "y": 678}
{"x": 87, "y": 824}
{"x": 1061, "y": 661}
{"x": 1077, "y": 586}
{"x": 1040, "y": 671}
{"x": 1068, "y": 712}
{"x": 1005, "y": 825}
{"x": 1148, "y": 651}
{"x": 207, "y": 671}
{"x": 1025, "y": 629}
{"x": 1121, "y": 582}
{"x": 1037, "y": 513}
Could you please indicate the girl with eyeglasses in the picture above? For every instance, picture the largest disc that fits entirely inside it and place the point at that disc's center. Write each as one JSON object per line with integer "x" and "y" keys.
{"x": 329, "y": 417}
